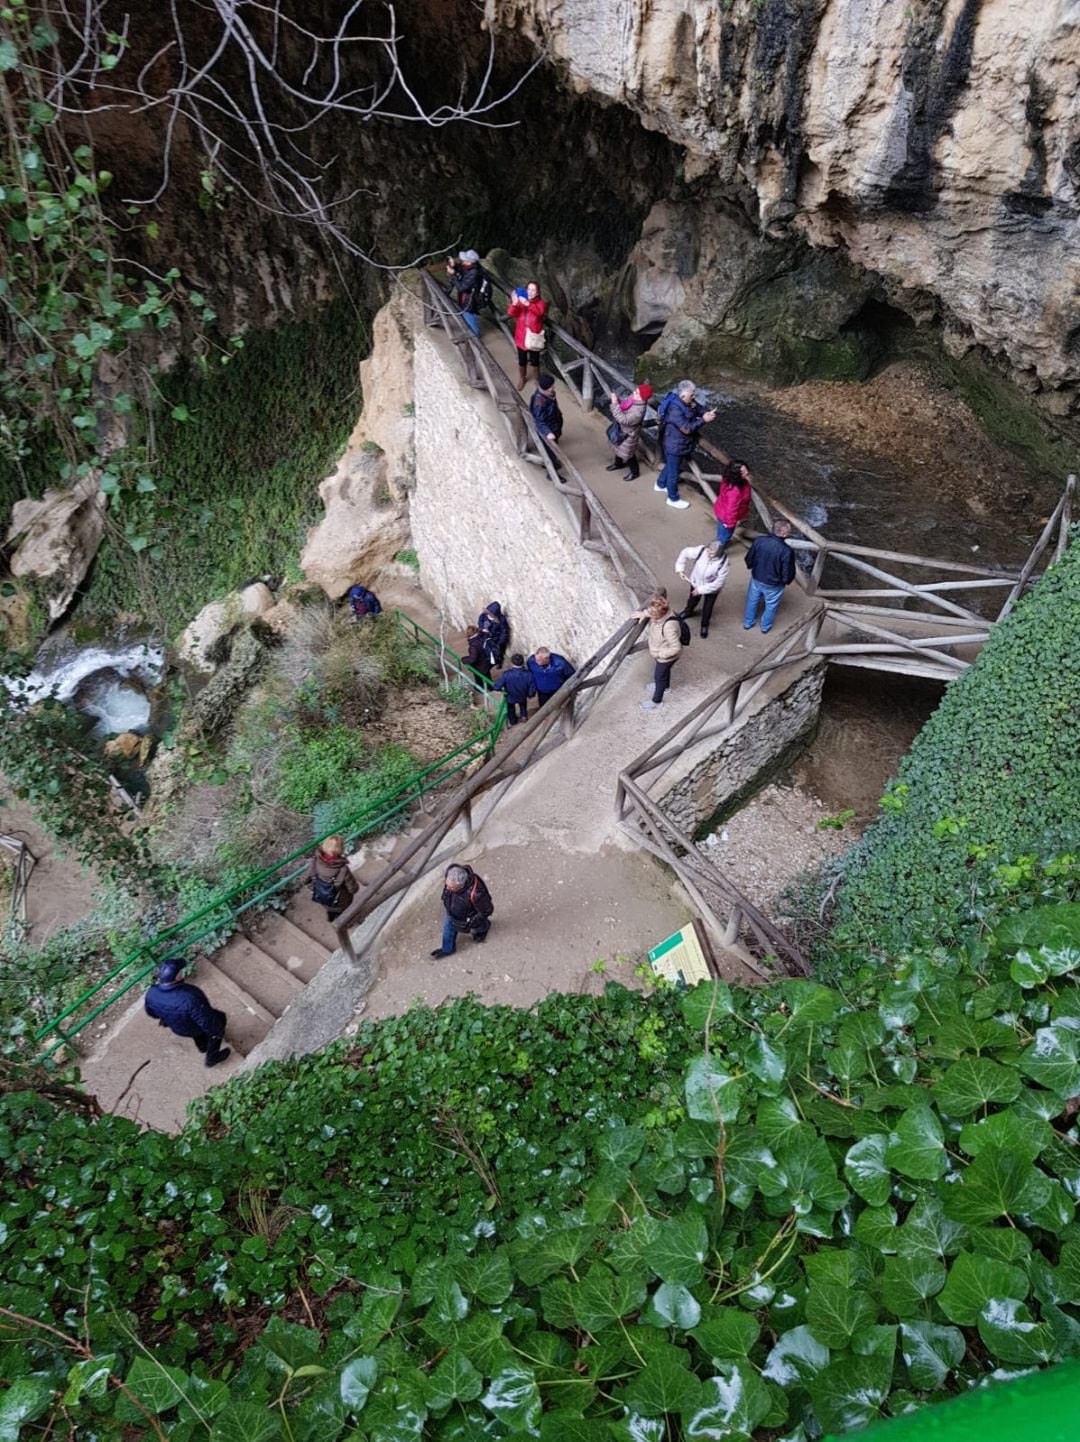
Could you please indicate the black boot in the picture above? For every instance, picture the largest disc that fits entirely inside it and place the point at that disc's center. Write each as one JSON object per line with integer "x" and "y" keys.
{"x": 615, "y": 466}
{"x": 213, "y": 1057}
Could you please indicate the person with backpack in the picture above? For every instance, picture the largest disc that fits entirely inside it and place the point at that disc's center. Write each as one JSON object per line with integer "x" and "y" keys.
{"x": 467, "y": 907}
{"x": 517, "y": 682}
{"x": 528, "y": 308}
{"x": 473, "y": 286}
{"x": 547, "y": 415}
{"x": 771, "y": 563}
{"x": 668, "y": 634}
{"x": 476, "y": 652}
{"x": 732, "y": 503}
{"x": 332, "y": 883}
{"x": 709, "y": 571}
{"x": 549, "y": 672}
{"x": 495, "y": 629}
{"x": 186, "y": 1011}
{"x": 680, "y": 420}
{"x": 624, "y": 433}
{"x": 363, "y": 602}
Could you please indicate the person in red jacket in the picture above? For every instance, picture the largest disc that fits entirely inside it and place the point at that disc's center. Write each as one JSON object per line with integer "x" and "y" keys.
{"x": 528, "y": 308}
{"x": 732, "y": 503}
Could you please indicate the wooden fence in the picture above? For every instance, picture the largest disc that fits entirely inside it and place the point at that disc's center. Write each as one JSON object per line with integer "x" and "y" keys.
{"x": 21, "y": 869}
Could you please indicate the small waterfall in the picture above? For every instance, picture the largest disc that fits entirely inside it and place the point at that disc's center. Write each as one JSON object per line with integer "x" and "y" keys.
{"x": 109, "y": 683}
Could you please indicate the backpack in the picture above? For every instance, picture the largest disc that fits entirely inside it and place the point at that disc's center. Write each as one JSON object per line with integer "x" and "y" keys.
{"x": 615, "y": 434}
{"x": 485, "y": 294}
{"x": 323, "y": 893}
{"x": 684, "y": 629}
{"x": 482, "y": 905}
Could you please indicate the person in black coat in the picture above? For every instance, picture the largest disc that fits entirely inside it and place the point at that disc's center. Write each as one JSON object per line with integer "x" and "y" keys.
{"x": 495, "y": 629}
{"x": 477, "y": 652}
{"x": 186, "y": 1011}
{"x": 467, "y": 906}
{"x": 547, "y": 415}
{"x": 519, "y": 685}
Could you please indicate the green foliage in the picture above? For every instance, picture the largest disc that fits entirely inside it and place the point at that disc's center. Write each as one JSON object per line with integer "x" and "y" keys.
{"x": 383, "y": 772}
{"x": 408, "y": 558}
{"x": 461, "y": 1223}
{"x": 995, "y": 773}
{"x": 318, "y": 764}
{"x": 240, "y": 454}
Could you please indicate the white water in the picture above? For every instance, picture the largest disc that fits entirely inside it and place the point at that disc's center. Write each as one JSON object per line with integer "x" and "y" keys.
{"x": 109, "y": 683}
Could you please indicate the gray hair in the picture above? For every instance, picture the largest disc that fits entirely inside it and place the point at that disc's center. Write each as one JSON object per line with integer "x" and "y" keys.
{"x": 456, "y": 877}
{"x": 541, "y": 651}
{"x": 470, "y": 257}
{"x": 685, "y": 388}
{"x": 781, "y": 527}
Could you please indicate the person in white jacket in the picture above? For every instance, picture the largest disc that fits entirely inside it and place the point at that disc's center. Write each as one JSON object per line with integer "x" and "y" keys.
{"x": 708, "y": 569}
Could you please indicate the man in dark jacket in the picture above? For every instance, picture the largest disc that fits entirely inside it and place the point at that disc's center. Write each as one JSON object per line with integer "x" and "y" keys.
{"x": 681, "y": 419}
{"x": 772, "y": 567}
{"x": 467, "y": 906}
{"x": 495, "y": 629}
{"x": 519, "y": 685}
{"x": 186, "y": 1011}
{"x": 466, "y": 277}
{"x": 547, "y": 415}
{"x": 548, "y": 670}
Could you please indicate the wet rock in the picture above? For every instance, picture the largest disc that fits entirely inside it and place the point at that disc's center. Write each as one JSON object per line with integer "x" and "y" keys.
{"x": 57, "y": 537}
{"x": 124, "y": 747}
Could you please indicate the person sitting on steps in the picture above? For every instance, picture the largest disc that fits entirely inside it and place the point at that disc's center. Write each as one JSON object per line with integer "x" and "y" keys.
{"x": 528, "y": 308}
{"x": 467, "y": 907}
{"x": 709, "y": 570}
{"x": 628, "y": 416}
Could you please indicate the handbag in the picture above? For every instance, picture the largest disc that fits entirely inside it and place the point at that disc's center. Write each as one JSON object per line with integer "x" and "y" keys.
{"x": 615, "y": 434}
{"x": 535, "y": 340}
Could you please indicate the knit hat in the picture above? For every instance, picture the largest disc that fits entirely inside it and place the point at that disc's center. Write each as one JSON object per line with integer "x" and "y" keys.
{"x": 645, "y": 392}
{"x": 545, "y": 381}
{"x": 171, "y": 968}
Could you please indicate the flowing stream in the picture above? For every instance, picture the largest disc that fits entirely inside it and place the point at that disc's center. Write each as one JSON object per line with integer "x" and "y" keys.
{"x": 112, "y": 683}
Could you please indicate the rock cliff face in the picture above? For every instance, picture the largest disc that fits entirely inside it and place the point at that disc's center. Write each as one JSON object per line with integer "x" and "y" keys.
{"x": 931, "y": 146}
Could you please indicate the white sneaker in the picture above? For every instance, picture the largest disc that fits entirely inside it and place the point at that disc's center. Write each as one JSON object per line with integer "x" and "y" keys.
{"x": 679, "y": 505}
{"x": 649, "y": 705}
{"x": 659, "y": 487}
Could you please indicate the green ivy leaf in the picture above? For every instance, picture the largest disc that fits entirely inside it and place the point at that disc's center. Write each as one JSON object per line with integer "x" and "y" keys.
{"x": 726, "y": 1333}
{"x": 356, "y": 1381}
{"x": 539, "y": 1257}
{"x": 707, "y": 999}
{"x": 928, "y": 1231}
{"x": 972, "y": 1083}
{"x": 731, "y": 1405}
{"x": 621, "y": 1145}
{"x": 514, "y": 1398}
{"x": 1009, "y": 1130}
{"x": 1051, "y": 1061}
{"x": 24, "y": 1401}
{"x": 797, "y": 1357}
{"x": 679, "y": 1251}
{"x": 972, "y": 1281}
{"x": 603, "y": 1296}
{"x": 488, "y": 1277}
{"x": 917, "y": 1147}
{"x": 1013, "y": 1336}
{"x": 835, "y": 1313}
{"x": 153, "y": 1384}
{"x": 711, "y": 1093}
{"x": 665, "y": 1384}
{"x": 89, "y": 1378}
{"x": 671, "y": 1306}
{"x": 996, "y": 1184}
{"x": 908, "y": 1281}
{"x": 930, "y": 1352}
{"x": 246, "y": 1422}
{"x": 866, "y": 1171}
{"x": 851, "y": 1391}
{"x": 766, "y": 1060}
{"x": 455, "y": 1379}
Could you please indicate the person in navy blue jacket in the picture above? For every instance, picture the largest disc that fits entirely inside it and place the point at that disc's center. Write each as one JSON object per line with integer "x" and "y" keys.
{"x": 548, "y": 670}
{"x": 186, "y": 1011}
{"x": 547, "y": 415}
{"x": 771, "y": 563}
{"x": 681, "y": 419}
{"x": 519, "y": 685}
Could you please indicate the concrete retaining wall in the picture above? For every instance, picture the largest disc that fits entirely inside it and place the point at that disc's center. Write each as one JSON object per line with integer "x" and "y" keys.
{"x": 487, "y": 527}
{"x": 758, "y": 741}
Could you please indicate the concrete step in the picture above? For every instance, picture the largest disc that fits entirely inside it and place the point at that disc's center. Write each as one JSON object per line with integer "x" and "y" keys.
{"x": 258, "y": 972}
{"x": 289, "y": 940}
{"x": 249, "y": 1020}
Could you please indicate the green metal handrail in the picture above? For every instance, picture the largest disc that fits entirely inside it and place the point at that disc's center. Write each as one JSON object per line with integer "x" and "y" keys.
{"x": 146, "y": 957}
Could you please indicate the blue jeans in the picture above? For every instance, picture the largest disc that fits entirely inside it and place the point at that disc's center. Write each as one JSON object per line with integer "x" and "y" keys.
{"x": 450, "y": 936}
{"x": 756, "y": 593}
{"x": 669, "y": 476}
{"x": 472, "y": 321}
{"x": 724, "y": 533}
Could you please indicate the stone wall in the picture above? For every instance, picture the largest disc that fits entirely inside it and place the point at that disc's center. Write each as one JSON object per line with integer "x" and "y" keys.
{"x": 487, "y": 526}
{"x": 717, "y": 778}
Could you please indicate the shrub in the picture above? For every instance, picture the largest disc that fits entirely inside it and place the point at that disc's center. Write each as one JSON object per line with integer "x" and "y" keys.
{"x": 389, "y": 768}
{"x": 317, "y": 765}
{"x": 994, "y": 774}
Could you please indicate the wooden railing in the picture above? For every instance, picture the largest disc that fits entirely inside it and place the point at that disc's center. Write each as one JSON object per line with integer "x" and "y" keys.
{"x": 590, "y": 377}
{"x": 1059, "y": 522}
{"x": 24, "y": 864}
{"x": 551, "y": 725}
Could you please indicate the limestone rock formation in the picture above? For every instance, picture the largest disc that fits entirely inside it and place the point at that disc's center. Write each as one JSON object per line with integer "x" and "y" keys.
{"x": 365, "y": 523}
{"x": 58, "y": 537}
{"x": 935, "y": 145}
{"x": 199, "y": 638}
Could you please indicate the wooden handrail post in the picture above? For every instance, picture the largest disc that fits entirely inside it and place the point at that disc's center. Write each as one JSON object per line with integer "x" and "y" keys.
{"x": 1066, "y": 518}
{"x": 588, "y": 383}
{"x": 585, "y": 519}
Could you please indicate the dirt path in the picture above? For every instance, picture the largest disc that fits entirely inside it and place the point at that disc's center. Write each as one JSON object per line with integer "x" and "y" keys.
{"x": 61, "y": 890}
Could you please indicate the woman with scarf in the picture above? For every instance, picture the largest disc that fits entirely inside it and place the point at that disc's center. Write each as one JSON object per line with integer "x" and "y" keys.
{"x": 624, "y": 433}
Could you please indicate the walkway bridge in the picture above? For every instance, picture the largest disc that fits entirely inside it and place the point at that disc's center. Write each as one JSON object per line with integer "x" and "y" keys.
{"x": 905, "y": 613}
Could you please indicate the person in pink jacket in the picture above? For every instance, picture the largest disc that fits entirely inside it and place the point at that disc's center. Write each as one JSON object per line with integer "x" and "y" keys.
{"x": 528, "y": 308}
{"x": 732, "y": 503}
